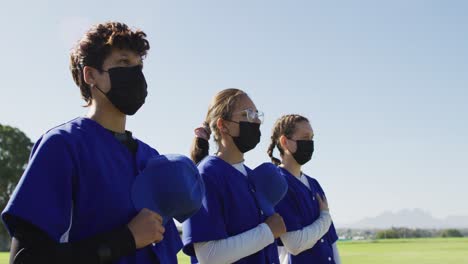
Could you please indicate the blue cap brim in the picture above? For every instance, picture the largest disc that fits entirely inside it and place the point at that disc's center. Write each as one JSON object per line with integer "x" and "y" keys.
{"x": 171, "y": 186}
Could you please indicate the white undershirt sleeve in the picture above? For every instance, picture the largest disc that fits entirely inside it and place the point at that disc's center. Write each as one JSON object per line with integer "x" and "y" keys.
{"x": 234, "y": 248}
{"x": 297, "y": 241}
{"x": 336, "y": 254}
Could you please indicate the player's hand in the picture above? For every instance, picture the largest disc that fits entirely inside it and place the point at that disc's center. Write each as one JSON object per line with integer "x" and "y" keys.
{"x": 276, "y": 224}
{"x": 323, "y": 203}
{"x": 146, "y": 228}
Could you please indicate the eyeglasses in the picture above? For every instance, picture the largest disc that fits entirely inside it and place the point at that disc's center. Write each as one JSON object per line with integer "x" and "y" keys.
{"x": 252, "y": 115}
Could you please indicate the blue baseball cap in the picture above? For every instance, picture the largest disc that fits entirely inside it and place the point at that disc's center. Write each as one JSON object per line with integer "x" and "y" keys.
{"x": 270, "y": 186}
{"x": 171, "y": 186}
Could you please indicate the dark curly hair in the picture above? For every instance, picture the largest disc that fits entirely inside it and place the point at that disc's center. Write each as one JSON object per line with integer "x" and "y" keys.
{"x": 97, "y": 44}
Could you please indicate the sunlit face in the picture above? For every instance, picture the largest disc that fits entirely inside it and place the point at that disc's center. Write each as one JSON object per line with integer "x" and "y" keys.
{"x": 117, "y": 58}
{"x": 242, "y": 113}
{"x": 303, "y": 132}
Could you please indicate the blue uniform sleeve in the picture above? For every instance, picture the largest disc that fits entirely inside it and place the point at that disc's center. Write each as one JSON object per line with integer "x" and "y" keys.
{"x": 331, "y": 235}
{"x": 167, "y": 249}
{"x": 208, "y": 223}
{"x": 43, "y": 196}
{"x": 289, "y": 210}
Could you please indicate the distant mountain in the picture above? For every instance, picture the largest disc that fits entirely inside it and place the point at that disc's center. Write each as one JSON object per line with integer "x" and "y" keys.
{"x": 411, "y": 218}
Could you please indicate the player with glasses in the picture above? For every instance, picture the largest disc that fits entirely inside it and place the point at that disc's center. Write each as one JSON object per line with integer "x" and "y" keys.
{"x": 230, "y": 228}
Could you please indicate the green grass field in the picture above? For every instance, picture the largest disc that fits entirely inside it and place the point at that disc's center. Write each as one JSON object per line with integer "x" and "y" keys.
{"x": 399, "y": 251}
{"x": 414, "y": 251}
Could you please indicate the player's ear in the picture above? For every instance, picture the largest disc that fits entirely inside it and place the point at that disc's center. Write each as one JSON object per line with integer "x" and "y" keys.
{"x": 89, "y": 75}
{"x": 220, "y": 124}
{"x": 283, "y": 142}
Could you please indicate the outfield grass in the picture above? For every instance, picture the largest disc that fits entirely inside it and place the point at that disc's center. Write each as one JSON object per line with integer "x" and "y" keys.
{"x": 398, "y": 251}
{"x": 4, "y": 257}
{"x": 418, "y": 251}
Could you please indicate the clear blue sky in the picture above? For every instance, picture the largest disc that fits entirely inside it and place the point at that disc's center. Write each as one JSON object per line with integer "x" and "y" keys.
{"x": 384, "y": 84}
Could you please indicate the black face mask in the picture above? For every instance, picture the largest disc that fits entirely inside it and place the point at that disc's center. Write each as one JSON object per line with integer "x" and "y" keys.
{"x": 304, "y": 151}
{"x": 249, "y": 136}
{"x": 128, "y": 88}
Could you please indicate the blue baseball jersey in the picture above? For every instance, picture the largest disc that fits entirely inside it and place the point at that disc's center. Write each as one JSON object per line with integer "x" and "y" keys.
{"x": 229, "y": 208}
{"x": 77, "y": 184}
{"x": 299, "y": 208}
